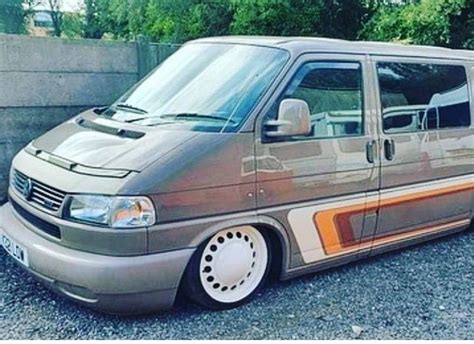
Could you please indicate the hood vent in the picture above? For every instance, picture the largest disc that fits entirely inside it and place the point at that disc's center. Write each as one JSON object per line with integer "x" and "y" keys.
{"x": 129, "y": 134}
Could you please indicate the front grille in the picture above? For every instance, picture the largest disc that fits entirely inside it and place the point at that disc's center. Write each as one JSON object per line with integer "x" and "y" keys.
{"x": 36, "y": 192}
{"x": 40, "y": 224}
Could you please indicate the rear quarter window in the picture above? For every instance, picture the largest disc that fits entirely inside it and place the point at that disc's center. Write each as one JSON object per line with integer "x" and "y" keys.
{"x": 416, "y": 97}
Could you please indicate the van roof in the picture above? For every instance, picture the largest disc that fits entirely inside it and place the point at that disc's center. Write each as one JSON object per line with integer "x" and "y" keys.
{"x": 299, "y": 45}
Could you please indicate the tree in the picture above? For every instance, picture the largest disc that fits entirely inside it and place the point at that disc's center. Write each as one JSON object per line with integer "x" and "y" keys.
{"x": 56, "y": 16}
{"x": 276, "y": 18}
{"x": 431, "y": 22}
{"x": 173, "y": 21}
{"x": 329, "y": 18}
{"x": 210, "y": 18}
{"x": 343, "y": 18}
{"x": 437, "y": 22}
{"x": 93, "y": 25}
{"x": 462, "y": 27}
{"x": 12, "y": 16}
{"x": 72, "y": 25}
{"x": 170, "y": 20}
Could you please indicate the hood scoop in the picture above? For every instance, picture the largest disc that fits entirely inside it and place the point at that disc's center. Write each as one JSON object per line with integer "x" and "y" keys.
{"x": 129, "y": 134}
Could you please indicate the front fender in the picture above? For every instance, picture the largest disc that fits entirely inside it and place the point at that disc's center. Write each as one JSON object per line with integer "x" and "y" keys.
{"x": 259, "y": 221}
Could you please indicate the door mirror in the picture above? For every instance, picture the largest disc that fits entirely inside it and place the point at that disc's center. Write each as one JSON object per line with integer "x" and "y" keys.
{"x": 293, "y": 120}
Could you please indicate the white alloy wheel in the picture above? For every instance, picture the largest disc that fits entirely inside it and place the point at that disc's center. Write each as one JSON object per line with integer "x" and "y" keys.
{"x": 233, "y": 264}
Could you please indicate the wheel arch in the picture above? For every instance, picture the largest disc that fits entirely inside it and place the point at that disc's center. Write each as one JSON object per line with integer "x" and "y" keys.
{"x": 278, "y": 236}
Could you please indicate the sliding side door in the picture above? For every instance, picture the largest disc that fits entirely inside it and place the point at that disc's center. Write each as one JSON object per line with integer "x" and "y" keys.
{"x": 426, "y": 148}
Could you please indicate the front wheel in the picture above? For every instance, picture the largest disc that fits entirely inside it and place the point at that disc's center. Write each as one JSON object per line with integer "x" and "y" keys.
{"x": 228, "y": 269}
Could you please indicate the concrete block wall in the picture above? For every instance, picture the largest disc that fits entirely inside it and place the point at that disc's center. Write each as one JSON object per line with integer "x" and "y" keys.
{"x": 45, "y": 81}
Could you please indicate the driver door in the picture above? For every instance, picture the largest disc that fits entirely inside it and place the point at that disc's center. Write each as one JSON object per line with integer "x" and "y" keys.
{"x": 322, "y": 181}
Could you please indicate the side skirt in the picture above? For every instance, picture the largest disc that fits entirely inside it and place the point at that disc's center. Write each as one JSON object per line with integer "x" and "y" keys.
{"x": 457, "y": 226}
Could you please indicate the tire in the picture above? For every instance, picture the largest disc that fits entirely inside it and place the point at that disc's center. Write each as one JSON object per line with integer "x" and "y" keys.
{"x": 228, "y": 269}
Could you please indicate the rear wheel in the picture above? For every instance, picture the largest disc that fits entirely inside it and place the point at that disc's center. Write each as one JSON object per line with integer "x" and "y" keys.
{"x": 228, "y": 269}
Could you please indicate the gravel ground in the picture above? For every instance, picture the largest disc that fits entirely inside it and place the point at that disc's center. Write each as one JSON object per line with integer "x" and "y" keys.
{"x": 423, "y": 292}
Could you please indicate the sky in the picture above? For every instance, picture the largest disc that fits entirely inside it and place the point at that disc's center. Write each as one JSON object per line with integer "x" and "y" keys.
{"x": 72, "y": 5}
{"x": 66, "y": 5}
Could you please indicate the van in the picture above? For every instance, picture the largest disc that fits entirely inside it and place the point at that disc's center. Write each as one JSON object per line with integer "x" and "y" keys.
{"x": 239, "y": 158}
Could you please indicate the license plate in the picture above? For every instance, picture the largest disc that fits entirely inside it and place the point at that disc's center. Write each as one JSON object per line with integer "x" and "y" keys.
{"x": 15, "y": 250}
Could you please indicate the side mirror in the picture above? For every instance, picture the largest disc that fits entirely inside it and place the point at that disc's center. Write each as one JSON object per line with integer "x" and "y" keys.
{"x": 293, "y": 120}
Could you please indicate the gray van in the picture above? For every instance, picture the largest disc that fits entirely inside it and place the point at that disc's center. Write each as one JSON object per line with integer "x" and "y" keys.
{"x": 244, "y": 157}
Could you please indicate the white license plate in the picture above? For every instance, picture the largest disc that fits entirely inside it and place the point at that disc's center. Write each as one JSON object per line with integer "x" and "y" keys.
{"x": 15, "y": 250}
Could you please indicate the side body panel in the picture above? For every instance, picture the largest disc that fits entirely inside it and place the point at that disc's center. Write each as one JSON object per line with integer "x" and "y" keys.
{"x": 212, "y": 175}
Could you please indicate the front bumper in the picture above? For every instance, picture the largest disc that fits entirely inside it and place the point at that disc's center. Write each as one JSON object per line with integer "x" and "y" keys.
{"x": 120, "y": 285}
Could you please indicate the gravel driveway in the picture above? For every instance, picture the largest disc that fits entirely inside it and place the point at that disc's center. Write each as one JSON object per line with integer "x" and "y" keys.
{"x": 422, "y": 292}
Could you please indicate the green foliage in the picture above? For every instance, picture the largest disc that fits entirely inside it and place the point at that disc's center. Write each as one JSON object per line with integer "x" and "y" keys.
{"x": 72, "y": 25}
{"x": 211, "y": 18}
{"x": 176, "y": 21}
{"x": 433, "y": 22}
{"x": 12, "y": 16}
{"x": 168, "y": 20}
{"x": 180, "y": 20}
{"x": 267, "y": 17}
{"x": 93, "y": 26}
{"x": 329, "y": 18}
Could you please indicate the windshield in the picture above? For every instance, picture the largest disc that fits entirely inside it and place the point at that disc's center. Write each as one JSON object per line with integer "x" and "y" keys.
{"x": 203, "y": 87}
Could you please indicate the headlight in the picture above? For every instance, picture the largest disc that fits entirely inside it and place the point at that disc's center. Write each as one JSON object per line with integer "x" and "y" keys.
{"x": 116, "y": 212}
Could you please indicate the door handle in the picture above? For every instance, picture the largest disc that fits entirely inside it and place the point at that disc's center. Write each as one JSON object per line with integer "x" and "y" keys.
{"x": 370, "y": 151}
{"x": 389, "y": 149}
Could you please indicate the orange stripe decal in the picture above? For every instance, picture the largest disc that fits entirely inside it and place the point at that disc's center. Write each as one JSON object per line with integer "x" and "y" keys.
{"x": 330, "y": 233}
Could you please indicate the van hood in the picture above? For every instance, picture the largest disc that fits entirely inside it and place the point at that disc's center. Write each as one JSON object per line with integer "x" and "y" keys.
{"x": 95, "y": 142}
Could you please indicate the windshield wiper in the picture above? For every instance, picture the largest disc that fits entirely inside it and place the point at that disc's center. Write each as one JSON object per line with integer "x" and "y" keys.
{"x": 140, "y": 119}
{"x": 197, "y": 116}
{"x": 178, "y": 115}
{"x": 130, "y": 107}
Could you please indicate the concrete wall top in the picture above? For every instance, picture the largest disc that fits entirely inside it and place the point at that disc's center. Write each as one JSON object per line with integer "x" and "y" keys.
{"x": 52, "y": 72}
{"x": 23, "y": 53}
